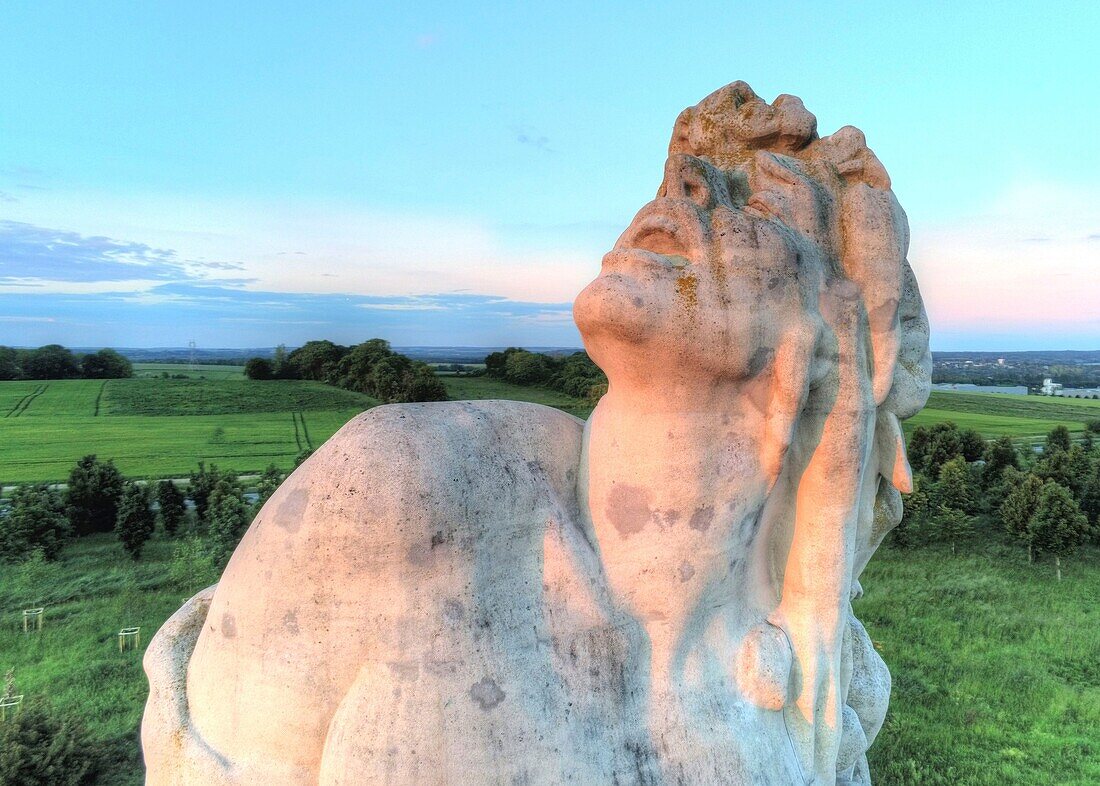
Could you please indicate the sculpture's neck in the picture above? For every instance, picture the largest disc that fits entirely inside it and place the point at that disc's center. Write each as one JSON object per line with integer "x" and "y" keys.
{"x": 668, "y": 477}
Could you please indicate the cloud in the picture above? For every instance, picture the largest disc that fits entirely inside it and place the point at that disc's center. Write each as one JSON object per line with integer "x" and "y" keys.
{"x": 30, "y": 254}
{"x": 526, "y": 135}
{"x": 8, "y": 198}
{"x": 172, "y": 313}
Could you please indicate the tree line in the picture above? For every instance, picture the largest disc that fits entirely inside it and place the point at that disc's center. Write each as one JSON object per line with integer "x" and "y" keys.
{"x": 54, "y": 361}
{"x": 575, "y": 375}
{"x": 211, "y": 512}
{"x": 371, "y": 367}
{"x": 1047, "y": 503}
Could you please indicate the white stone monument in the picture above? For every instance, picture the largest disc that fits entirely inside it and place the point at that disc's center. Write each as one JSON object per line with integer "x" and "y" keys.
{"x": 495, "y": 592}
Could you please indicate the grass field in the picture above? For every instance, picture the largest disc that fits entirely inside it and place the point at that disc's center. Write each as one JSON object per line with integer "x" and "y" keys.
{"x": 156, "y": 427}
{"x": 163, "y": 427}
{"x": 199, "y": 371}
{"x": 995, "y": 669}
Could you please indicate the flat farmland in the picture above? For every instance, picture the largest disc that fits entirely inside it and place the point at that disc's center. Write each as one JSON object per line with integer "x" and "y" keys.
{"x": 199, "y": 370}
{"x": 164, "y": 427}
{"x": 155, "y": 427}
{"x": 1027, "y": 418}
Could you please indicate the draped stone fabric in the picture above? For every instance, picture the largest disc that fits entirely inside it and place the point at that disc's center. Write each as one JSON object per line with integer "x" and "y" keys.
{"x": 496, "y": 592}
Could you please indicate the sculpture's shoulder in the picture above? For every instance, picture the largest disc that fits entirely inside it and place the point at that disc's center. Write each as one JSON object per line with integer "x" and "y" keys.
{"x": 480, "y": 427}
{"x": 442, "y": 456}
{"x": 442, "y": 441}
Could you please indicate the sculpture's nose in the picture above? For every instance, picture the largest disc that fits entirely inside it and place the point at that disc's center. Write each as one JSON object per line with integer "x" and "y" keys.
{"x": 688, "y": 177}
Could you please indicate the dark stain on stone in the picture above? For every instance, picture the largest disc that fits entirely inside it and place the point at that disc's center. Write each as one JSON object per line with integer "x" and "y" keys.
{"x": 437, "y": 539}
{"x": 671, "y": 517}
{"x": 229, "y": 626}
{"x": 687, "y": 570}
{"x": 486, "y": 693}
{"x": 701, "y": 519}
{"x": 453, "y": 610}
{"x": 628, "y": 509}
{"x": 760, "y": 360}
{"x": 290, "y": 622}
{"x": 292, "y": 509}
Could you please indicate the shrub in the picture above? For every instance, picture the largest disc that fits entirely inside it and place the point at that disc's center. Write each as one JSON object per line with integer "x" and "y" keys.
{"x": 171, "y": 506}
{"x": 1058, "y": 526}
{"x": 91, "y": 499}
{"x": 259, "y": 368}
{"x": 40, "y": 746}
{"x": 34, "y": 523}
{"x": 228, "y": 517}
{"x": 194, "y": 565}
{"x": 135, "y": 520}
{"x": 106, "y": 364}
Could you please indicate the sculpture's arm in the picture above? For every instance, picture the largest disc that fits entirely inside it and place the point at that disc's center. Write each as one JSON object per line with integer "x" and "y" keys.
{"x": 818, "y": 573}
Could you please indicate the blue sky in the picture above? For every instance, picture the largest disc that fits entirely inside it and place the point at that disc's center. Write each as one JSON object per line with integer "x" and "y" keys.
{"x": 451, "y": 173}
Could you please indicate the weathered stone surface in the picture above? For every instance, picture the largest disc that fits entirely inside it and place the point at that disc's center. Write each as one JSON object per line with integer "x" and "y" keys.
{"x": 496, "y": 592}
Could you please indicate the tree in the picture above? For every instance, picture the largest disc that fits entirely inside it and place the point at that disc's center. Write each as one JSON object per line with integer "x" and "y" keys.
{"x": 106, "y": 364}
{"x": 92, "y": 495}
{"x": 1058, "y": 526}
{"x": 40, "y": 746}
{"x": 259, "y": 368}
{"x": 52, "y": 361}
{"x": 200, "y": 486}
{"x": 955, "y": 486}
{"x": 278, "y": 361}
{"x": 916, "y": 512}
{"x": 421, "y": 384}
{"x": 1018, "y": 508}
{"x": 1090, "y": 501}
{"x": 1057, "y": 439}
{"x": 135, "y": 522}
{"x": 269, "y": 481}
{"x": 9, "y": 363}
{"x": 35, "y": 522}
{"x": 300, "y": 459}
{"x": 528, "y": 368}
{"x": 355, "y": 368}
{"x": 1055, "y": 465}
{"x": 953, "y": 524}
{"x": 999, "y": 454}
{"x": 228, "y": 517}
{"x": 495, "y": 362}
{"x": 316, "y": 360}
{"x": 171, "y": 506}
{"x": 193, "y": 565}
{"x": 971, "y": 444}
{"x": 386, "y": 377}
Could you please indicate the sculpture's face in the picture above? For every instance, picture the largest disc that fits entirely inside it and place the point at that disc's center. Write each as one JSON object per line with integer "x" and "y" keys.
{"x": 707, "y": 274}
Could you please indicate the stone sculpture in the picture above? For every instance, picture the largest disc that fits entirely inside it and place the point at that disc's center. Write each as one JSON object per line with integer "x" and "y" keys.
{"x": 496, "y": 592}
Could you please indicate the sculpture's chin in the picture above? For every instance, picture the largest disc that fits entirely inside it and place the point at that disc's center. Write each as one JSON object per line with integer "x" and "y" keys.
{"x": 613, "y": 308}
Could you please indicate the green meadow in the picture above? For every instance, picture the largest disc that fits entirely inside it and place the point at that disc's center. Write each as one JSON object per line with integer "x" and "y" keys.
{"x": 995, "y": 664}
{"x": 996, "y": 678}
{"x": 163, "y": 427}
{"x": 155, "y": 427}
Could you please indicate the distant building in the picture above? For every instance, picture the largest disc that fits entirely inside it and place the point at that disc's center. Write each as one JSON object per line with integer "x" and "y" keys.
{"x": 1078, "y": 392}
{"x": 1050, "y": 387}
{"x": 966, "y": 387}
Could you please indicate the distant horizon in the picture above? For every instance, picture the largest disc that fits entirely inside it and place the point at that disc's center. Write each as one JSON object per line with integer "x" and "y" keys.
{"x": 577, "y": 347}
